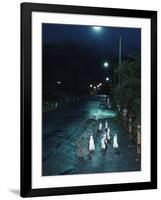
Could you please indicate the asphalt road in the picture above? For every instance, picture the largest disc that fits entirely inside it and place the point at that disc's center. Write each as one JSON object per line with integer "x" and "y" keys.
{"x": 63, "y": 126}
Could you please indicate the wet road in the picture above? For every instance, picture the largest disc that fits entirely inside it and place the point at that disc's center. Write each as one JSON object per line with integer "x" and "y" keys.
{"x": 61, "y": 129}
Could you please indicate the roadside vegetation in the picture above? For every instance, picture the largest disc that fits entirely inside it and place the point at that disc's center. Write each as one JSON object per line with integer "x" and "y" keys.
{"x": 127, "y": 93}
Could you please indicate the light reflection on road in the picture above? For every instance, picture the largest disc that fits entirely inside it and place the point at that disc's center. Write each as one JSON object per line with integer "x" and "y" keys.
{"x": 101, "y": 114}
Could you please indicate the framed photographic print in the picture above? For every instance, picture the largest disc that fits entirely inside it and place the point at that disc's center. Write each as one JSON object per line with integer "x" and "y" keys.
{"x": 88, "y": 99}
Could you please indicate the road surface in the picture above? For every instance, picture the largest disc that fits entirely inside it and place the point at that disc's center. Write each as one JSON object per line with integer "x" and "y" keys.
{"x": 62, "y": 128}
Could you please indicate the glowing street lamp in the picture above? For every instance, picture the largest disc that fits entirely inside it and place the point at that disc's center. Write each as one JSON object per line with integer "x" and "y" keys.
{"x": 107, "y": 79}
{"x": 91, "y": 85}
{"x": 105, "y": 64}
{"x": 59, "y": 82}
{"x": 94, "y": 87}
{"x": 97, "y": 28}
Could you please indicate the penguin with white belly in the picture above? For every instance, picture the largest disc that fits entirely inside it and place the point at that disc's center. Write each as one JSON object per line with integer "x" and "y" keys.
{"x": 103, "y": 144}
{"x": 106, "y": 124}
{"x": 115, "y": 142}
{"x": 108, "y": 134}
{"x": 91, "y": 144}
{"x": 100, "y": 126}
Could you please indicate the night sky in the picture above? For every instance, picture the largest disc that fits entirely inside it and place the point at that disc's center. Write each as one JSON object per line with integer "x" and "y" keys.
{"x": 74, "y": 54}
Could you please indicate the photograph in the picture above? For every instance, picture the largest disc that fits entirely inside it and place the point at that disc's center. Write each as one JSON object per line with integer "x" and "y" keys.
{"x": 88, "y": 99}
{"x": 91, "y": 99}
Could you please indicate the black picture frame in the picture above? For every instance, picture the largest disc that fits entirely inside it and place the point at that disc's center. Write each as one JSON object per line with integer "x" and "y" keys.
{"x": 26, "y": 103}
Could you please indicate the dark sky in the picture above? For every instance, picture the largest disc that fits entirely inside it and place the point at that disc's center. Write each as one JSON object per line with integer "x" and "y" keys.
{"x": 104, "y": 41}
{"x": 74, "y": 54}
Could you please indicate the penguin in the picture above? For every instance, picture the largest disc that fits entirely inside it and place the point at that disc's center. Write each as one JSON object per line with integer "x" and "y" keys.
{"x": 103, "y": 145}
{"x": 100, "y": 126}
{"x": 108, "y": 134}
{"x": 91, "y": 144}
{"x": 106, "y": 124}
{"x": 105, "y": 138}
{"x": 115, "y": 142}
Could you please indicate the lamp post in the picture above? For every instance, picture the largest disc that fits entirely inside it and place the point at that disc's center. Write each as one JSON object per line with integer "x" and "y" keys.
{"x": 120, "y": 59}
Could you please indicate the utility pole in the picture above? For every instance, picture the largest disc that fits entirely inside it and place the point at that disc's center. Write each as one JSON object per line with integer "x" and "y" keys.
{"x": 120, "y": 58}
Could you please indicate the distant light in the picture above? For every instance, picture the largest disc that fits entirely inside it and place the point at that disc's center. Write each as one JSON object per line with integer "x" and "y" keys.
{"x": 105, "y": 64}
{"x": 94, "y": 87}
{"x": 100, "y": 84}
{"x": 107, "y": 79}
{"x": 91, "y": 85}
{"x": 97, "y": 28}
{"x": 58, "y": 82}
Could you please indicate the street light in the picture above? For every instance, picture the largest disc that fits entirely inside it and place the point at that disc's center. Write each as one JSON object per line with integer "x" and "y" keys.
{"x": 91, "y": 85}
{"x": 97, "y": 28}
{"x": 59, "y": 82}
{"x": 107, "y": 79}
{"x": 105, "y": 64}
